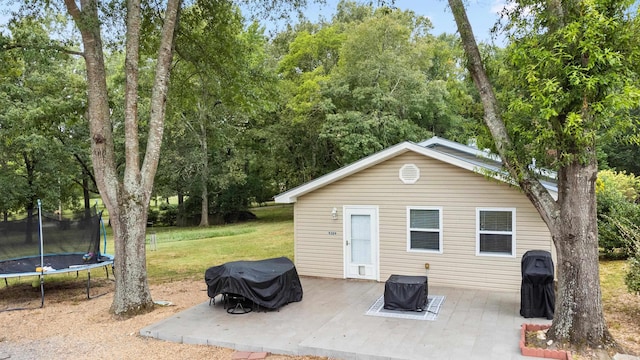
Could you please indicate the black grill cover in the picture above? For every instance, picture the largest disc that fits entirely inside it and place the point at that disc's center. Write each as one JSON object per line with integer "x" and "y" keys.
{"x": 408, "y": 293}
{"x": 537, "y": 294}
{"x": 269, "y": 283}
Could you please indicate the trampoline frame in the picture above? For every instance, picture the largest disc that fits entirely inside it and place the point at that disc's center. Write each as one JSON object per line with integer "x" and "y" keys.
{"x": 104, "y": 260}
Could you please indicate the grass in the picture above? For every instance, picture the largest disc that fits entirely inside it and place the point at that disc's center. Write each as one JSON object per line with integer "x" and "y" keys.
{"x": 182, "y": 253}
{"x": 621, "y": 308}
{"x": 612, "y": 279}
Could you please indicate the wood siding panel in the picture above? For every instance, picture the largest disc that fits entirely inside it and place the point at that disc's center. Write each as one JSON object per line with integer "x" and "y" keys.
{"x": 319, "y": 238}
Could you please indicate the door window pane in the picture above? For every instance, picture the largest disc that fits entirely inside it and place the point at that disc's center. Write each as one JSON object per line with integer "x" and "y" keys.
{"x": 361, "y": 239}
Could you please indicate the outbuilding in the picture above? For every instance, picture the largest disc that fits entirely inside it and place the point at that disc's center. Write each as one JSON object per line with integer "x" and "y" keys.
{"x": 436, "y": 208}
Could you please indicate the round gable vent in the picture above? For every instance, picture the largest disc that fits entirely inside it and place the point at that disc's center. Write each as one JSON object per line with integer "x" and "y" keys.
{"x": 409, "y": 173}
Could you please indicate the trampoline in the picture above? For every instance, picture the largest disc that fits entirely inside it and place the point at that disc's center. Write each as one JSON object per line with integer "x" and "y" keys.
{"x": 43, "y": 244}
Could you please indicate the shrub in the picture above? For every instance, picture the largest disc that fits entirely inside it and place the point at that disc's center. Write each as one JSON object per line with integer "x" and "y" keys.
{"x": 632, "y": 279}
{"x": 617, "y": 193}
{"x": 631, "y": 232}
{"x": 152, "y": 216}
{"x": 168, "y": 215}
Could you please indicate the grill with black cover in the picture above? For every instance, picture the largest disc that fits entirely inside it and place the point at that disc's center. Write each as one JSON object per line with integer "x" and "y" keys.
{"x": 537, "y": 294}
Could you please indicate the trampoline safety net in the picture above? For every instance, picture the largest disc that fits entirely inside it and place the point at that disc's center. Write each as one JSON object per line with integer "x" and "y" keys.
{"x": 66, "y": 242}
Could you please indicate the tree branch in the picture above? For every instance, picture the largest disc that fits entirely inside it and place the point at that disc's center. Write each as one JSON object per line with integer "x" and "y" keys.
{"x": 7, "y": 47}
{"x": 533, "y": 189}
{"x": 159, "y": 94}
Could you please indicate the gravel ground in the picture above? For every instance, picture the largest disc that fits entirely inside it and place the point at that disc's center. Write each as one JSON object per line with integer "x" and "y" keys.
{"x": 71, "y": 327}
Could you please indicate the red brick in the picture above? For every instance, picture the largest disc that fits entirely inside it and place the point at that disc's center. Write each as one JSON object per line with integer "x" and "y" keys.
{"x": 258, "y": 356}
{"x": 240, "y": 355}
{"x": 527, "y": 351}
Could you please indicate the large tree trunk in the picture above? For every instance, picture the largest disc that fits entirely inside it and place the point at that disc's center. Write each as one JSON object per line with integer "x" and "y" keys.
{"x": 127, "y": 197}
{"x": 578, "y": 317}
{"x": 132, "y": 295}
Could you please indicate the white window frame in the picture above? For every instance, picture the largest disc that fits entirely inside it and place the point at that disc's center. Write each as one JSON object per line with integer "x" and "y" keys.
{"x": 512, "y": 232}
{"x": 439, "y": 231}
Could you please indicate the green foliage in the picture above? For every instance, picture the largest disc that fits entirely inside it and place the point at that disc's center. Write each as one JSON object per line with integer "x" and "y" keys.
{"x": 369, "y": 79}
{"x": 168, "y": 215}
{"x": 632, "y": 278}
{"x": 152, "y": 216}
{"x": 570, "y": 78}
{"x": 357, "y": 135}
{"x": 631, "y": 232}
{"x": 622, "y": 155}
{"x": 42, "y": 143}
{"x": 616, "y": 196}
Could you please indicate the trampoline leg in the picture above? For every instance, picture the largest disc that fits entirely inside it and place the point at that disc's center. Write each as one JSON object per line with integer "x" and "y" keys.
{"x": 88, "y": 283}
{"x": 6, "y": 283}
{"x": 41, "y": 291}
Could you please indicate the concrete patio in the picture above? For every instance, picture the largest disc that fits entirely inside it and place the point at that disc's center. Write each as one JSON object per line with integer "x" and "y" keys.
{"x": 330, "y": 321}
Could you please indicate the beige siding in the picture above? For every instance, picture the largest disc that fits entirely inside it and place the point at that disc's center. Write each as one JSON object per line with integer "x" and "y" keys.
{"x": 319, "y": 239}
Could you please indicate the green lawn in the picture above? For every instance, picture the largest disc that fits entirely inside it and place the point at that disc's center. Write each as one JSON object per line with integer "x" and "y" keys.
{"x": 187, "y": 252}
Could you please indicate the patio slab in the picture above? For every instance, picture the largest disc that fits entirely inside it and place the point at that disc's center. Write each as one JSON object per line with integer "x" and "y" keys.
{"x": 330, "y": 321}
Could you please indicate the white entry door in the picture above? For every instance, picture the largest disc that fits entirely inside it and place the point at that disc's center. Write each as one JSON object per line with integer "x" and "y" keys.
{"x": 361, "y": 242}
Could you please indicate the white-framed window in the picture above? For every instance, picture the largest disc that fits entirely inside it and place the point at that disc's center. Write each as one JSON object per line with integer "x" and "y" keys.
{"x": 424, "y": 229}
{"x": 496, "y": 231}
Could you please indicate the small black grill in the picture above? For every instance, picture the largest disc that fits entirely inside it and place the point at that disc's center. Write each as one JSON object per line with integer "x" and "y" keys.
{"x": 537, "y": 294}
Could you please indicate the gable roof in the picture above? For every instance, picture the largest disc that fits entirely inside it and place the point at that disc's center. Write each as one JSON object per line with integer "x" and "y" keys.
{"x": 453, "y": 153}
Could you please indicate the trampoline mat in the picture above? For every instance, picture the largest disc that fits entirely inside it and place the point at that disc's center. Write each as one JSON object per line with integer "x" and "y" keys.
{"x": 55, "y": 262}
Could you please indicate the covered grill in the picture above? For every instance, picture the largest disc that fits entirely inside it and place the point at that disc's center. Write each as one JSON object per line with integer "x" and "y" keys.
{"x": 537, "y": 294}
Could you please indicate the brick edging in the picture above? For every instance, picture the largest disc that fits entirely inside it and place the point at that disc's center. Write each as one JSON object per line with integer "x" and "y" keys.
{"x": 538, "y": 352}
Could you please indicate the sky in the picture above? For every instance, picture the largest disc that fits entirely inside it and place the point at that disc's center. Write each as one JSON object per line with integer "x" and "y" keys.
{"x": 482, "y": 14}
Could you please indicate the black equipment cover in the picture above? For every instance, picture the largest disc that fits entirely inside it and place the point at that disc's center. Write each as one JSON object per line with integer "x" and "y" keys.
{"x": 537, "y": 294}
{"x": 408, "y": 293}
{"x": 269, "y": 283}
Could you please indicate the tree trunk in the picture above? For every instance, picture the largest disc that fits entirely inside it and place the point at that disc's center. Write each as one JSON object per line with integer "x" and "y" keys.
{"x": 204, "y": 149}
{"x": 204, "y": 204}
{"x": 578, "y": 317}
{"x": 132, "y": 295}
{"x": 126, "y": 197}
